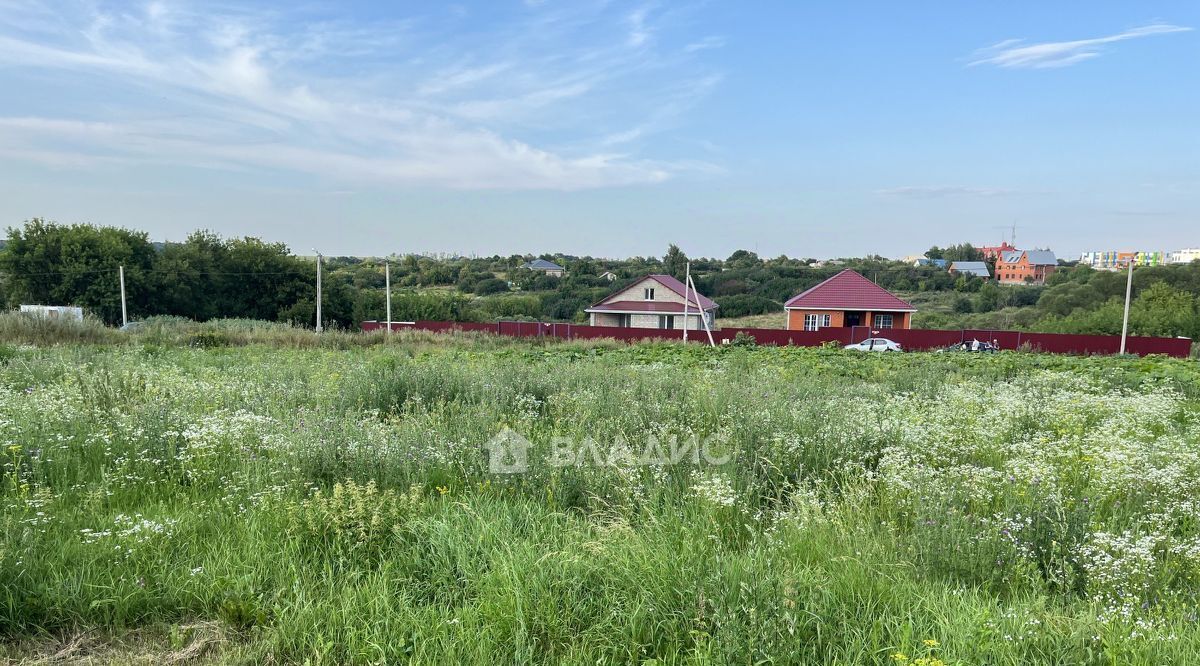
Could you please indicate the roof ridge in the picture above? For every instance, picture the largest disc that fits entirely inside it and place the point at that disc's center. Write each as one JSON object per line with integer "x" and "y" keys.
{"x": 697, "y": 300}
{"x": 854, "y": 291}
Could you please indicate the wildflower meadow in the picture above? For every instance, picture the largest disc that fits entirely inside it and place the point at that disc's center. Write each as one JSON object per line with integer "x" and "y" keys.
{"x": 210, "y": 498}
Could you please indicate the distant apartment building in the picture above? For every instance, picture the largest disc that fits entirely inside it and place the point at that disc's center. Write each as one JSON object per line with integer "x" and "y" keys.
{"x": 1114, "y": 260}
{"x": 1025, "y": 266}
{"x": 1185, "y": 256}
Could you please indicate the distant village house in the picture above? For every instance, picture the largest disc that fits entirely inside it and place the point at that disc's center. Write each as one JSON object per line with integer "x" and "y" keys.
{"x": 971, "y": 268}
{"x": 1025, "y": 266}
{"x": 993, "y": 252}
{"x": 925, "y": 261}
{"x": 548, "y": 267}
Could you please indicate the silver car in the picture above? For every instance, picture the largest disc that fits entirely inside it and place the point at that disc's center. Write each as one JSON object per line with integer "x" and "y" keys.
{"x": 876, "y": 344}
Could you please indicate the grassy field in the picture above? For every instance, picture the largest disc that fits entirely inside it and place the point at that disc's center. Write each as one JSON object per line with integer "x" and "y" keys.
{"x": 235, "y": 494}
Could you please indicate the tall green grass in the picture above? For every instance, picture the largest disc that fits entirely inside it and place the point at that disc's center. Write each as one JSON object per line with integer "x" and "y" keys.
{"x": 267, "y": 500}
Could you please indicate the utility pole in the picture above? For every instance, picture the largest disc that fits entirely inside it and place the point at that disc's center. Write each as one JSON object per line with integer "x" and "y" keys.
{"x": 387, "y": 281}
{"x": 1125, "y": 319}
{"x": 319, "y": 327}
{"x": 703, "y": 313}
{"x": 687, "y": 280}
{"x": 124, "y": 312}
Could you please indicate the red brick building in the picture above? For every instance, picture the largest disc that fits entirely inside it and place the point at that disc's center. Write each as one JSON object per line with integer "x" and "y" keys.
{"x": 1025, "y": 266}
{"x": 993, "y": 252}
{"x": 847, "y": 299}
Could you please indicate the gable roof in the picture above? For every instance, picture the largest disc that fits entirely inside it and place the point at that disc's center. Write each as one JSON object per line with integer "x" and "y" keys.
{"x": 543, "y": 265}
{"x": 848, "y": 290}
{"x": 978, "y": 268}
{"x": 673, "y": 283}
{"x": 1041, "y": 257}
{"x": 1036, "y": 257}
{"x": 667, "y": 281}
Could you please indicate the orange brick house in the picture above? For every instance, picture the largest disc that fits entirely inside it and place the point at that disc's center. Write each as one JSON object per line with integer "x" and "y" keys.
{"x": 847, "y": 299}
{"x": 1025, "y": 266}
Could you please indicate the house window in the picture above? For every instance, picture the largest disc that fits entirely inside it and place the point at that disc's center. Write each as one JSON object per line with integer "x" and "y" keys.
{"x": 625, "y": 321}
{"x": 813, "y": 322}
{"x": 648, "y": 293}
{"x": 883, "y": 321}
{"x": 666, "y": 321}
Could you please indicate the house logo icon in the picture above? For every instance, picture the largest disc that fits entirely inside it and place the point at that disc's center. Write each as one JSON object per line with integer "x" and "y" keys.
{"x": 508, "y": 453}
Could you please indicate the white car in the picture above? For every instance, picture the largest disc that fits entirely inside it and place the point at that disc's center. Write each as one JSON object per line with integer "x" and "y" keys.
{"x": 876, "y": 344}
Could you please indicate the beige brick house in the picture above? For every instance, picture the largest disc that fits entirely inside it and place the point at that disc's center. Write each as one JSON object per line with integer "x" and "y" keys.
{"x": 655, "y": 301}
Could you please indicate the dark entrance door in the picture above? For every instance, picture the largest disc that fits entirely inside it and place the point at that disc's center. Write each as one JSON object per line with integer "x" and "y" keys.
{"x": 854, "y": 319}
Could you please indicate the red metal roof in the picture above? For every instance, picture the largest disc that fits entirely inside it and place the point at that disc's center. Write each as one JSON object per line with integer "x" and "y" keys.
{"x": 848, "y": 291}
{"x": 641, "y": 306}
{"x": 669, "y": 282}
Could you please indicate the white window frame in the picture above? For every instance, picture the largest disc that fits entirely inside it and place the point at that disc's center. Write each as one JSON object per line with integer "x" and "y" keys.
{"x": 648, "y": 293}
{"x": 816, "y": 322}
{"x": 878, "y": 324}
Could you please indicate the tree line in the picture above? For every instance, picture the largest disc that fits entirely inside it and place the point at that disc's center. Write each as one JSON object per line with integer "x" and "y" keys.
{"x": 207, "y": 276}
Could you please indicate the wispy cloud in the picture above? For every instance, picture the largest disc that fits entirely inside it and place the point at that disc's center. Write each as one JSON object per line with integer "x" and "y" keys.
{"x": 639, "y": 31}
{"x": 944, "y": 191}
{"x": 710, "y": 42}
{"x": 1014, "y": 53}
{"x": 405, "y": 103}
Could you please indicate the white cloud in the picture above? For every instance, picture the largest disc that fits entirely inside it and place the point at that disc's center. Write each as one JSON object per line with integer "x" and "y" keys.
{"x": 710, "y": 42}
{"x": 438, "y": 156}
{"x": 1013, "y": 53}
{"x": 639, "y": 32}
{"x": 354, "y": 103}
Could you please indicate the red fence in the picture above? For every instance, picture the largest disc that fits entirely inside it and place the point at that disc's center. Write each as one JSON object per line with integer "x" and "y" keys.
{"x": 1057, "y": 343}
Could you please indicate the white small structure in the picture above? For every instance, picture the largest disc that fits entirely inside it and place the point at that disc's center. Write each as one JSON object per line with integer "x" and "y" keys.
{"x": 54, "y": 311}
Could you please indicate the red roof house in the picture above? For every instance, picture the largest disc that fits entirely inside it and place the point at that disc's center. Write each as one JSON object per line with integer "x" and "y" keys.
{"x": 847, "y": 299}
{"x": 655, "y": 301}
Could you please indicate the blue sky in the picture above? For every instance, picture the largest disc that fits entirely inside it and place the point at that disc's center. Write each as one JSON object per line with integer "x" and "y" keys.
{"x": 608, "y": 128}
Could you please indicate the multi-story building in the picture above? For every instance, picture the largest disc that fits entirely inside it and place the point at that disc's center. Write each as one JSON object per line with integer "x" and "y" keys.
{"x": 1025, "y": 266}
{"x": 1185, "y": 256}
{"x": 1113, "y": 260}
{"x": 993, "y": 252}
